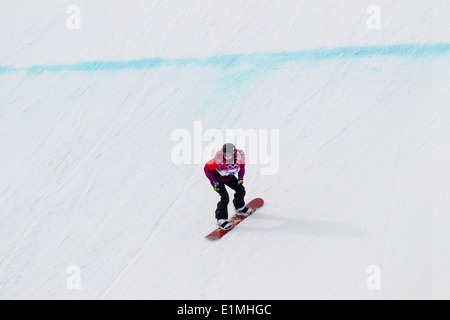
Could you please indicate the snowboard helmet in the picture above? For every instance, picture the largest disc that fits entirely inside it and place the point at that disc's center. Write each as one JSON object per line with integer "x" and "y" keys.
{"x": 228, "y": 150}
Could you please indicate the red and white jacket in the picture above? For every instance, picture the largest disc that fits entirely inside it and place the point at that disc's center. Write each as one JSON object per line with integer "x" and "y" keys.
{"x": 219, "y": 170}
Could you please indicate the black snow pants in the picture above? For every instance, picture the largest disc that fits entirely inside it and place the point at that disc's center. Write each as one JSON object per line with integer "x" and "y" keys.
{"x": 238, "y": 201}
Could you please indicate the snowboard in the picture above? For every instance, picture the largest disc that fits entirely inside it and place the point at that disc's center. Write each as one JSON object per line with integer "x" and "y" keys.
{"x": 236, "y": 219}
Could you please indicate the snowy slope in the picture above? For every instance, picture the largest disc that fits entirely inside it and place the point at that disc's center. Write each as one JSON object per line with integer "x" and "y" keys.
{"x": 86, "y": 156}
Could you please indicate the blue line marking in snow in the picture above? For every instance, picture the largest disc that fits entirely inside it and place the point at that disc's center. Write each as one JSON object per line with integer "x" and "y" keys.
{"x": 405, "y": 50}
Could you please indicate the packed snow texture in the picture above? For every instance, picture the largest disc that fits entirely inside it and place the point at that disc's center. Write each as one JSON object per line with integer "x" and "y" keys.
{"x": 356, "y": 208}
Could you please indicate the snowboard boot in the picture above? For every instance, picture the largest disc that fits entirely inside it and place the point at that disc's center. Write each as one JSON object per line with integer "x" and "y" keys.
{"x": 224, "y": 224}
{"x": 244, "y": 211}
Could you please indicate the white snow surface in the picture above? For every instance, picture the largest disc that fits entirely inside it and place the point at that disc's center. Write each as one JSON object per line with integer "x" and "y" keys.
{"x": 87, "y": 177}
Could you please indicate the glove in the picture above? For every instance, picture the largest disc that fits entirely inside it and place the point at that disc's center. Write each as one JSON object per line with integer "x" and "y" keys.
{"x": 240, "y": 182}
{"x": 215, "y": 185}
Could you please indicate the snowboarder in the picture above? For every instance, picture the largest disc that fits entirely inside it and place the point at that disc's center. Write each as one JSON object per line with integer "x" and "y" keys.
{"x": 221, "y": 171}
